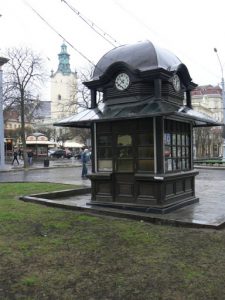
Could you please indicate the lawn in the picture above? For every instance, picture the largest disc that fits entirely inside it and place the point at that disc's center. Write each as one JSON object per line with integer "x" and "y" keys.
{"x": 51, "y": 253}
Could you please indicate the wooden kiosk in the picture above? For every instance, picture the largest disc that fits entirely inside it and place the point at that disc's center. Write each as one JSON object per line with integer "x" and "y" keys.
{"x": 142, "y": 132}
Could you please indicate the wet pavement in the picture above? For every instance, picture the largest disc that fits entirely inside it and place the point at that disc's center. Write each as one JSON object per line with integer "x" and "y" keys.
{"x": 210, "y": 189}
{"x": 66, "y": 171}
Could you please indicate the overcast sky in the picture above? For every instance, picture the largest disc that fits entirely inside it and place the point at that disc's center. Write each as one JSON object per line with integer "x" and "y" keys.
{"x": 190, "y": 29}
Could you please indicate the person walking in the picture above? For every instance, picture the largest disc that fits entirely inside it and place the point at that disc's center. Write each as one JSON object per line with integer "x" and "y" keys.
{"x": 20, "y": 154}
{"x": 30, "y": 157}
{"x": 15, "y": 157}
{"x": 84, "y": 159}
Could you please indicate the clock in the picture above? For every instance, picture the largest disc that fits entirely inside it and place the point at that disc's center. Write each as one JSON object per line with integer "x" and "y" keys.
{"x": 176, "y": 83}
{"x": 122, "y": 81}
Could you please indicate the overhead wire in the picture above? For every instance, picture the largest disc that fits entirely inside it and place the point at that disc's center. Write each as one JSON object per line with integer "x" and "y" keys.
{"x": 107, "y": 37}
{"x": 59, "y": 34}
{"x": 140, "y": 21}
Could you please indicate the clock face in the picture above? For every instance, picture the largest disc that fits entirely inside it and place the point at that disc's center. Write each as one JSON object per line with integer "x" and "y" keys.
{"x": 176, "y": 83}
{"x": 122, "y": 81}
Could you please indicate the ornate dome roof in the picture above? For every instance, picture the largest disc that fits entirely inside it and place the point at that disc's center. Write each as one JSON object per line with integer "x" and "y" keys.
{"x": 142, "y": 56}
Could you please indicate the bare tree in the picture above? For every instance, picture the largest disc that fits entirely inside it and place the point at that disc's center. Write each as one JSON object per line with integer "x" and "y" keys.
{"x": 24, "y": 78}
{"x": 82, "y": 95}
{"x": 207, "y": 141}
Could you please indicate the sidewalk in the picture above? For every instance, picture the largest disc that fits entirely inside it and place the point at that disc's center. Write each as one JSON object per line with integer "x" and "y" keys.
{"x": 209, "y": 212}
{"x": 209, "y": 187}
{"x": 56, "y": 163}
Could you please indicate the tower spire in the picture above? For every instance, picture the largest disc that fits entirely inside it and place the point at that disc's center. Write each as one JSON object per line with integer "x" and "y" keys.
{"x": 64, "y": 58}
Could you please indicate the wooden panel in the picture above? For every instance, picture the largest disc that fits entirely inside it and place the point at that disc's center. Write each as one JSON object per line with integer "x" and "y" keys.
{"x": 103, "y": 188}
{"x": 179, "y": 186}
{"x": 169, "y": 189}
{"x": 124, "y": 188}
{"x": 146, "y": 189}
{"x": 189, "y": 184}
{"x": 146, "y": 193}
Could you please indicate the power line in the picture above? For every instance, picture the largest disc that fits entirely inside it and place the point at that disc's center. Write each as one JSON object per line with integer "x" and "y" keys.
{"x": 107, "y": 37}
{"x": 143, "y": 24}
{"x": 49, "y": 25}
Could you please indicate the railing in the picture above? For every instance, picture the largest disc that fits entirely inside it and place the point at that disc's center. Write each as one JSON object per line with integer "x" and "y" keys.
{"x": 209, "y": 162}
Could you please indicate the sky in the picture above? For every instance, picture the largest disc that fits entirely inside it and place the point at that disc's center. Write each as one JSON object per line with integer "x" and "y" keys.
{"x": 189, "y": 29}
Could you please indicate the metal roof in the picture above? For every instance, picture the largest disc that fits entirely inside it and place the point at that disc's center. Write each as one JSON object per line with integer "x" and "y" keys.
{"x": 149, "y": 108}
{"x": 142, "y": 56}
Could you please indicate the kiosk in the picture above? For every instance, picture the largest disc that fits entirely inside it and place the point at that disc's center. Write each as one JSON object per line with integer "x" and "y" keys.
{"x": 142, "y": 131}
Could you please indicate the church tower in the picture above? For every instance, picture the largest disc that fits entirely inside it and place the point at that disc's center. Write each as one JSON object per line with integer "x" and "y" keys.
{"x": 63, "y": 88}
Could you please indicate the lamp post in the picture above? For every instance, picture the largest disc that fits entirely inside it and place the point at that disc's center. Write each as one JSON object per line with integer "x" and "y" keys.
{"x": 3, "y": 60}
{"x": 223, "y": 98}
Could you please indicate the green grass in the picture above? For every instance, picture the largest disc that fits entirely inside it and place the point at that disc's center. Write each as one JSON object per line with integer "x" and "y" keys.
{"x": 50, "y": 253}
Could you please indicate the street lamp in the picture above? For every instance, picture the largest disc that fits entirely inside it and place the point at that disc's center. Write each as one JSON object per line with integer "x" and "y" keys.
{"x": 3, "y": 60}
{"x": 223, "y": 98}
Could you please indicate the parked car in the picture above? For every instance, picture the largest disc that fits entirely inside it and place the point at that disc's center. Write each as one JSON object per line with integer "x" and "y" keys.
{"x": 60, "y": 153}
{"x": 77, "y": 155}
{"x": 50, "y": 151}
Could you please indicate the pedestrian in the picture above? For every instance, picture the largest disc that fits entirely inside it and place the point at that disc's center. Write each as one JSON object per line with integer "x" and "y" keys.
{"x": 84, "y": 159}
{"x": 30, "y": 157}
{"x": 15, "y": 155}
{"x": 20, "y": 154}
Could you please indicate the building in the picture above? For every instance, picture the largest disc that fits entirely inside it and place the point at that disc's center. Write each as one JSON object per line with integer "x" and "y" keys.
{"x": 43, "y": 113}
{"x": 208, "y": 142}
{"x": 208, "y": 99}
{"x": 63, "y": 88}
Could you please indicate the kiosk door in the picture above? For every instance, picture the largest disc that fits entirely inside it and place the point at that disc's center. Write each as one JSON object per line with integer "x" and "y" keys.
{"x": 124, "y": 167}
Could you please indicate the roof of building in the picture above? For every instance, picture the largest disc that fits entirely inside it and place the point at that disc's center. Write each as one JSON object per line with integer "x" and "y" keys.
{"x": 148, "y": 108}
{"x": 43, "y": 110}
{"x": 207, "y": 90}
{"x": 140, "y": 56}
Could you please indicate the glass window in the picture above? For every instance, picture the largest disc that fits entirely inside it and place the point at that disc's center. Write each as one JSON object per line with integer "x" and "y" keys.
{"x": 104, "y": 140}
{"x": 124, "y": 140}
{"x": 125, "y": 165}
{"x": 105, "y": 152}
{"x": 145, "y": 152}
{"x": 126, "y": 147}
{"x": 124, "y": 153}
{"x": 146, "y": 165}
{"x": 145, "y": 138}
{"x": 104, "y": 165}
{"x": 176, "y": 146}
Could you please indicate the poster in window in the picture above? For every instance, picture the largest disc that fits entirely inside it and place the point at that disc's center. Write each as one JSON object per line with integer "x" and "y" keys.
{"x": 169, "y": 164}
{"x": 174, "y": 139}
{"x": 167, "y": 151}
{"x": 167, "y": 138}
{"x": 174, "y": 164}
{"x": 174, "y": 152}
{"x": 183, "y": 164}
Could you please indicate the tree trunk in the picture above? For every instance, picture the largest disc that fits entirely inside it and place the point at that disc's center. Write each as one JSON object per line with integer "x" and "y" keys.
{"x": 23, "y": 135}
